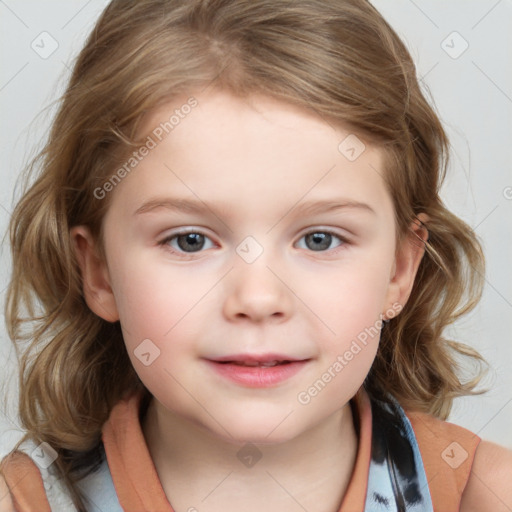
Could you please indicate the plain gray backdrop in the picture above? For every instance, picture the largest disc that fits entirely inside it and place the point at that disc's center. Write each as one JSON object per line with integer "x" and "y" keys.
{"x": 463, "y": 51}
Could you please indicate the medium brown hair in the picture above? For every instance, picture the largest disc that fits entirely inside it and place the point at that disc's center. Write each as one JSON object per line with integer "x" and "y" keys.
{"x": 337, "y": 58}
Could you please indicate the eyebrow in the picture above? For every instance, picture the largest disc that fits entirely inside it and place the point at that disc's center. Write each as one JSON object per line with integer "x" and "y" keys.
{"x": 193, "y": 206}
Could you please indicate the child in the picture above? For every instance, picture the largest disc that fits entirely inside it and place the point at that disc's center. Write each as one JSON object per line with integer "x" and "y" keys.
{"x": 190, "y": 347}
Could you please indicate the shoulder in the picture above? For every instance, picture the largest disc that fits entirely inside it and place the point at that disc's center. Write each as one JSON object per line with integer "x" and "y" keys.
{"x": 6, "y": 504}
{"x": 489, "y": 484}
{"x": 20, "y": 479}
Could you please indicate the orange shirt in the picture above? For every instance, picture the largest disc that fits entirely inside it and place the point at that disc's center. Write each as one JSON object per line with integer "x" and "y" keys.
{"x": 447, "y": 451}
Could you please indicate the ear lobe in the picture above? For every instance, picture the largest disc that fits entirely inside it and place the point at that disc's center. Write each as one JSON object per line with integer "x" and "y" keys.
{"x": 407, "y": 261}
{"x": 95, "y": 278}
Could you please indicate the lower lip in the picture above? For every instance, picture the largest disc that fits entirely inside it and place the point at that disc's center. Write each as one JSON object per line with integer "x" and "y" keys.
{"x": 257, "y": 376}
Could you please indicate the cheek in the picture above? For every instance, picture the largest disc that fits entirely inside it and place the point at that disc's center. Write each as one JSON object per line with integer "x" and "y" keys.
{"x": 348, "y": 348}
{"x": 150, "y": 298}
{"x": 351, "y": 298}
{"x": 154, "y": 311}
{"x": 160, "y": 309}
{"x": 350, "y": 307}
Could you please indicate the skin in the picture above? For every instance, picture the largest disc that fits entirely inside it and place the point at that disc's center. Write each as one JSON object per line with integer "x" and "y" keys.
{"x": 253, "y": 162}
{"x": 488, "y": 486}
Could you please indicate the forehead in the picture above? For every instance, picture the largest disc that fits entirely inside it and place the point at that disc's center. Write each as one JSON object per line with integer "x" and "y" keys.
{"x": 256, "y": 149}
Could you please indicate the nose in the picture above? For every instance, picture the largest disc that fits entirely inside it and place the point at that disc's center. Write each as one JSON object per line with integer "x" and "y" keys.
{"x": 256, "y": 292}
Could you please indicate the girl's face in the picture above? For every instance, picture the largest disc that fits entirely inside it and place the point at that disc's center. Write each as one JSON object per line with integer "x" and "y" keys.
{"x": 290, "y": 255}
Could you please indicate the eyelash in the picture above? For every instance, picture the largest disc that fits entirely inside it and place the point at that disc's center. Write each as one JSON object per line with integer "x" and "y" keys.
{"x": 165, "y": 242}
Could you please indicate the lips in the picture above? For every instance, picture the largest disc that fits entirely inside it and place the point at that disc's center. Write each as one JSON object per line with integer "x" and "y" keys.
{"x": 264, "y": 360}
{"x": 257, "y": 371}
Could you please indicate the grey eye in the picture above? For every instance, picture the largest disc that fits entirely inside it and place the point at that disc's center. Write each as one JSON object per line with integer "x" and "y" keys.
{"x": 321, "y": 240}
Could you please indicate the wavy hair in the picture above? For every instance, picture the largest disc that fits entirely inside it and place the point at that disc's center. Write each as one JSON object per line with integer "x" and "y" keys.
{"x": 338, "y": 59}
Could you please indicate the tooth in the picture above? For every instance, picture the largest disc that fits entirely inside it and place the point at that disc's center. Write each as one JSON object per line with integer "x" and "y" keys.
{"x": 254, "y": 364}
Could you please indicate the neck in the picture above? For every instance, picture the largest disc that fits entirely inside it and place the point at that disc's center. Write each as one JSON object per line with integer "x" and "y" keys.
{"x": 197, "y": 467}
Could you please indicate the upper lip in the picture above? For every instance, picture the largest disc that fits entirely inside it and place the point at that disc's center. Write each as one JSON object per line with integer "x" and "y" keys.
{"x": 256, "y": 358}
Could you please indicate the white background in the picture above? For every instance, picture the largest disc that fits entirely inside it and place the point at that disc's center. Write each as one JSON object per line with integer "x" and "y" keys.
{"x": 472, "y": 94}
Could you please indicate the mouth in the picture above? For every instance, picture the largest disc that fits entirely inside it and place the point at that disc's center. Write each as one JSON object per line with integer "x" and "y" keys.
{"x": 263, "y": 360}
{"x": 257, "y": 370}
{"x": 260, "y": 364}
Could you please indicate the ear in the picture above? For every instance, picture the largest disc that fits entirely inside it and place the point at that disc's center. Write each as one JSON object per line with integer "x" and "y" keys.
{"x": 95, "y": 278}
{"x": 407, "y": 260}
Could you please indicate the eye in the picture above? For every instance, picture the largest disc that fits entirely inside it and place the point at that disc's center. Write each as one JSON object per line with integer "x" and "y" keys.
{"x": 322, "y": 240}
{"x": 186, "y": 242}
{"x": 189, "y": 242}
